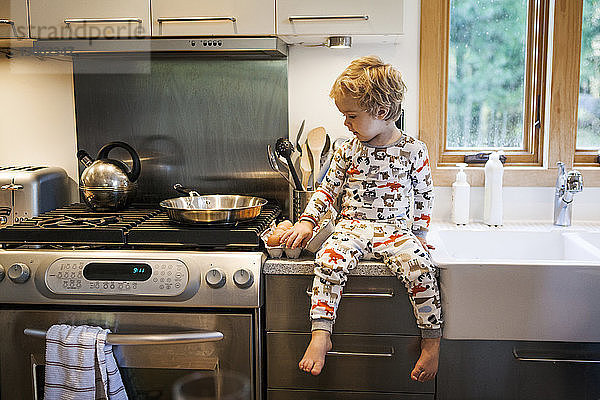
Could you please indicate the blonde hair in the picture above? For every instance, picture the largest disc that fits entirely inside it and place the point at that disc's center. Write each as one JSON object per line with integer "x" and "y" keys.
{"x": 373, "y": 84}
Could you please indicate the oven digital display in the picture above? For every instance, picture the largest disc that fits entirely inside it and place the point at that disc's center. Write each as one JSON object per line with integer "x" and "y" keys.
{"x": 97, "y": 271}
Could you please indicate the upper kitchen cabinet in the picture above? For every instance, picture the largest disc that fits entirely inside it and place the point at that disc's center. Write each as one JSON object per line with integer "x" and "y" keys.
{"x": 72, "y": 19}
{"x": 339, "y": 17}
{"x": 13, "y": 19}
{"x": 225, "y": 17}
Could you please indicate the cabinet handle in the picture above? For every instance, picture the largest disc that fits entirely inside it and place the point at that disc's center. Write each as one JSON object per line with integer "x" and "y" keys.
{"x": 11, "y": 186}
{"x": 4, "y": 21}
{"x": 386, "y": 295}
{"x": 166, "y": 338}
{"x": 326, "y": 17}
{"x": 552, "y": 359}
{"x": 359, "y": 354}
{"x": 160, "y": 20}
{"x": 69, "y": 21}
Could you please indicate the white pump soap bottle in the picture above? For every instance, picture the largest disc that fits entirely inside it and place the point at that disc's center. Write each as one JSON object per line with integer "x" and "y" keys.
{"x": 492, "y": 206}
{"x": 461, "y": 191}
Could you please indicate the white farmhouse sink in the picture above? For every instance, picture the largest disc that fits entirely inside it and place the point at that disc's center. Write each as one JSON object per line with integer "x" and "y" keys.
{"x": 514, "y": 246}
{"x": 591, "y": 237}
{"x": 534, "y": 282}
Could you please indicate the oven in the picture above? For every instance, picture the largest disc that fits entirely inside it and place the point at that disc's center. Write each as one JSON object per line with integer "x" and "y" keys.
{"x": 173, "y": 307}
{"x": 148, "y": 353}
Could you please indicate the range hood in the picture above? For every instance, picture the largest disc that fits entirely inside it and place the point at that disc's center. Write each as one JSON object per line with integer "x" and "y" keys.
{"x": 219, "y": 46}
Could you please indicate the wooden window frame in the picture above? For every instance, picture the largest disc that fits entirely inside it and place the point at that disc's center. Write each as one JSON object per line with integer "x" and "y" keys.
{"x": 560, "y": 117}
{"x": 583, "y": 158}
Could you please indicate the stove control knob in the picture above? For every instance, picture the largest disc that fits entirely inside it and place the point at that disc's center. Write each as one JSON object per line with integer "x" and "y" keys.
{"x": 1, "y": 273}
{"x": 215, "y": 278}
{"x": 243, "y": 278}
{"x": 18, "y": 273}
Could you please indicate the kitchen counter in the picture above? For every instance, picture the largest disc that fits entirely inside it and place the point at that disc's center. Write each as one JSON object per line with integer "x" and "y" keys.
{"x": 305, "y": 264}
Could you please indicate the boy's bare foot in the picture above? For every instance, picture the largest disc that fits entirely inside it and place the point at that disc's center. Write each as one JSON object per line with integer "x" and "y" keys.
{"x": 427, "y": 365}
{"x": 313, "y": 360}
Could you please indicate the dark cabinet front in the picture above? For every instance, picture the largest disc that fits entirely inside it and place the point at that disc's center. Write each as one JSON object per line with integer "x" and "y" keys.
{"x": 518, "y": 370}
{"x": 375, "y": 342}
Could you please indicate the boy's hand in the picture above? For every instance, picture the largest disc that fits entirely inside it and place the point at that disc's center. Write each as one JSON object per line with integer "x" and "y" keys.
{"x": 425, "y": 245}
{"x": 298, "y": 235}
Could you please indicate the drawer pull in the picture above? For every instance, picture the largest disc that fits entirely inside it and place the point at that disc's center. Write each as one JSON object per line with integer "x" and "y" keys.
{"x": 358, "y": 354}
{"x": 386, "y": 295}
{"x": 552, "y": 359}
{"x": 325, "y": 17}
{"x": 69, "y": 21}
{"x": 160, "y": 20}
{"x": 4, "y": 21}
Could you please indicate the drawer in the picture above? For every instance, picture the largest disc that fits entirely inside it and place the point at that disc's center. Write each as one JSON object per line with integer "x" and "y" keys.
{"x": 379, "y": 363}
{"x": 329, "y": 395}
{"x": 343, "y": 17}
{"x": 14, "y": 14}
{"x": 76, "y": 19}
{"x": 225, "y": 17}
{"x": 369, "y": 305}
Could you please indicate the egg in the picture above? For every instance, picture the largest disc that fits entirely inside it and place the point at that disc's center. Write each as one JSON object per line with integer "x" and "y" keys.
{"x": 273, "y": 240}
{"x": 275, "y": 237}
{"x": 285, "y": 224}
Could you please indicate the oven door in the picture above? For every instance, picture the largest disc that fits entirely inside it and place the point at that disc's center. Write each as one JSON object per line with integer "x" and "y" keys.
{"x": 148, "y": 370}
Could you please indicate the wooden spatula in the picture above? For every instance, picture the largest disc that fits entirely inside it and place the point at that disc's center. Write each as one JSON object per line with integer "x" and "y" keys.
{"x": 316, "y": 141}
{"x": 305, "y": 166}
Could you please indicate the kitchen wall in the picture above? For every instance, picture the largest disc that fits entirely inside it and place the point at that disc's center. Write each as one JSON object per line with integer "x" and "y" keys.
{"x": 37, "y": 114}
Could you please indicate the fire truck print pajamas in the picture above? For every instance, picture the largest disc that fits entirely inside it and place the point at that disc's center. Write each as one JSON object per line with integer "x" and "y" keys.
{"x": 376, "y": 184}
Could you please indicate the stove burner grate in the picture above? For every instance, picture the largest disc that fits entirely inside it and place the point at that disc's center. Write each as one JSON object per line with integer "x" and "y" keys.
{"x": 140, "y": 225}
{"x": 67, "y": 221}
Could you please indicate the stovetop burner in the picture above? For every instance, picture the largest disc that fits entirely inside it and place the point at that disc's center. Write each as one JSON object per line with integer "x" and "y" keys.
{"x": 137, "y": 227}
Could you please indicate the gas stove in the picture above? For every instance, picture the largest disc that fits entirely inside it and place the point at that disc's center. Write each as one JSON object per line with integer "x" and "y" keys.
{"x": 149, "y": 280}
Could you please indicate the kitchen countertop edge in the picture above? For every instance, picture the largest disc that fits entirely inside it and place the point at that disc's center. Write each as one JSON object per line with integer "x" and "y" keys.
{"x": 305, "y": 265}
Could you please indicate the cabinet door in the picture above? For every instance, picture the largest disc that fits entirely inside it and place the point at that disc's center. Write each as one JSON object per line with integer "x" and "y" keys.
{"x": 73, "y": 19}
{"x": 377, "y": 305}
{"x": 226, "y": 17}
{"x": 507, "y": 370}
{"x": 13, "y": 19}
{"x": 380, "y": 363}
{"x": 317, "y": 17}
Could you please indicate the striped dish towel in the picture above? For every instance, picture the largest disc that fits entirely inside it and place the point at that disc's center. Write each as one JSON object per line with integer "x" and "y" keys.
{"x": 80, "y": 365}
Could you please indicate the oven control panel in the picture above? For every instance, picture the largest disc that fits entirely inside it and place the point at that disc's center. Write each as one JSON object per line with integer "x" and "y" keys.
{"x": 117, "y": 277}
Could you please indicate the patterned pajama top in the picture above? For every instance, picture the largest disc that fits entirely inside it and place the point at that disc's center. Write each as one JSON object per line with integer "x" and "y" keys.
{"x": 377, "y": 183}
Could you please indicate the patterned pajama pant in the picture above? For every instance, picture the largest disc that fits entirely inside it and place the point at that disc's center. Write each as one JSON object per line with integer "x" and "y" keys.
{"x": 400, "y": 250}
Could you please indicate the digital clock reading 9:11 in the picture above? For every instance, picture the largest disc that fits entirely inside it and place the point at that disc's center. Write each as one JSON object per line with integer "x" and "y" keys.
{"x": 109, "y": 271}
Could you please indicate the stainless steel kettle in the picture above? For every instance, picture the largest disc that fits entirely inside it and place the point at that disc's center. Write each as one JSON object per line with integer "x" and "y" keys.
{"x": 106, "y": 184}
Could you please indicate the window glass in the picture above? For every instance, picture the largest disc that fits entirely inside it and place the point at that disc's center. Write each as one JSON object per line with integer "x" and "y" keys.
{"x": 588, "y": 113}
{"x": 486, "y": 73}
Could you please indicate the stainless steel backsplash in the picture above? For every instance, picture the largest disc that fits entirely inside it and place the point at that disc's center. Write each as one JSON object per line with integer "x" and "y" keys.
{"x": 202, "y": 122}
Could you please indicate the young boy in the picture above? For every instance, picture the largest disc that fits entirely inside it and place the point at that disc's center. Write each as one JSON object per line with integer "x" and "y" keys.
{"x": 377, "y": 172}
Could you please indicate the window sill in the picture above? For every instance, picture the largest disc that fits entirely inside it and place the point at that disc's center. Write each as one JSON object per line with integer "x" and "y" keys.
{"x": 515, "y": 176}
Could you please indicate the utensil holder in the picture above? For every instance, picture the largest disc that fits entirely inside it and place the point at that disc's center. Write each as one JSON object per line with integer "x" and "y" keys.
{"x": 299, "y": 202}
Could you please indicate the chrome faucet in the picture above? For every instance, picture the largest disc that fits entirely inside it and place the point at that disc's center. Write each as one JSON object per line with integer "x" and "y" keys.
{"x": 567, "y": 184}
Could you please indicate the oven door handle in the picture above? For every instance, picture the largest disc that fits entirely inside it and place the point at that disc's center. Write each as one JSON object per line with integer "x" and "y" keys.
{"x": 151, "y": 338}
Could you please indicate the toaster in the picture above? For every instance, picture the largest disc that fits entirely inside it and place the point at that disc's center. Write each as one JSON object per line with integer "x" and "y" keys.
{"x": 28, "y": 191}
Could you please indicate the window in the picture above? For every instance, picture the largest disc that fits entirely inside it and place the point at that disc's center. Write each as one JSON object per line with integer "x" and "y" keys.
{"x": 496, "y": 79}
{"x": 499, "y": 95}
{"x": 588, "y": 110}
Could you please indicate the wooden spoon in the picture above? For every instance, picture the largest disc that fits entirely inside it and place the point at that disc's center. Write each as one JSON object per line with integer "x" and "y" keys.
{"x": 316, "y": 141}
{"x": 305, "y": 166}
